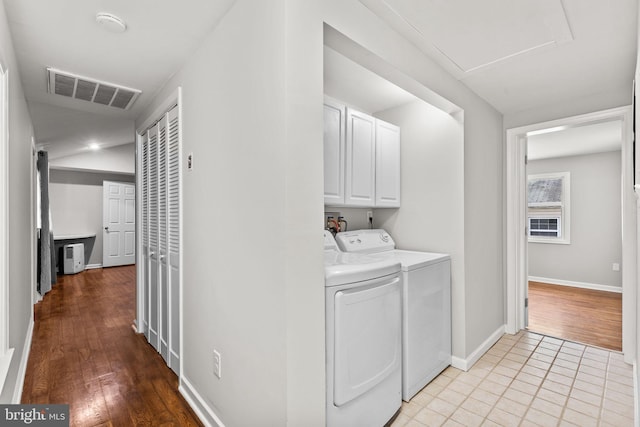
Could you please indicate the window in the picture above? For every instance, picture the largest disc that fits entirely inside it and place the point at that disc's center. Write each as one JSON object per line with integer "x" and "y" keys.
{"x": 548, "y": 208}
{"x": 547, "y": 227}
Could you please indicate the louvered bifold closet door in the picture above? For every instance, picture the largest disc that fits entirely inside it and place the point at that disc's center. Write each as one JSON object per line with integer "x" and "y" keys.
{"x": 162, "y": 236}
{"x": 153, "y": 237}
{"x": 173, "y": 201}
{"x": 144, "y": 228}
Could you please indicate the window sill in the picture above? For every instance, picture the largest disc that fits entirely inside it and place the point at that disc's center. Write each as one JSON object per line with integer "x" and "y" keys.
{"x": 551, "y": 241}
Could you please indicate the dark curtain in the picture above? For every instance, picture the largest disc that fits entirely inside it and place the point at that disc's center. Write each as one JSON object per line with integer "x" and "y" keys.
{"x": 46, "y": 254}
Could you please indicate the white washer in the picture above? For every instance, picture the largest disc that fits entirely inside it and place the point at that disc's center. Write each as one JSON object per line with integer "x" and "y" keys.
{"x": 426, "y": 296}
{"x": 363, "y": 298}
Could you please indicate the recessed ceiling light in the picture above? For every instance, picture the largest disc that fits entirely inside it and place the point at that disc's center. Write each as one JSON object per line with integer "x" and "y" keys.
{"x": 93, "y": 146}
{"x": 111, "y": 22}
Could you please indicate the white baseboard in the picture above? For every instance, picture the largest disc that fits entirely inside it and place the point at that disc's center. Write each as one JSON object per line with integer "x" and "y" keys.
{"x": 583, "y": 285}
{"x": 636, "y": 406}
{"x": 5, "y": 364}
{"x": 22, "y": 369}
{"x": 92, "y": 266}
{"x": 466, "y": 364}
{"x": 207, "y": 416}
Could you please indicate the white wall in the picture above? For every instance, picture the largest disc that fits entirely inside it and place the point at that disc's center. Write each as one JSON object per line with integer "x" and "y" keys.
{"x": 118, "y": 159}
{"x": 76, "y": 206}
{"x": 252, "y": 249}
{"x": 595, "y": 216}
{"x": 431, "y": 217}
{"x": 21, "y": 234}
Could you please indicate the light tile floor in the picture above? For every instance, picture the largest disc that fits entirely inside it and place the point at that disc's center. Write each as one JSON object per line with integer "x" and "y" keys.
{"x": 528, "y": 380}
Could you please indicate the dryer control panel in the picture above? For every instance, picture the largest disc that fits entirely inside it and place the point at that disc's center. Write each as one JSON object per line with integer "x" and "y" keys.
{"x": 365, "y": 241}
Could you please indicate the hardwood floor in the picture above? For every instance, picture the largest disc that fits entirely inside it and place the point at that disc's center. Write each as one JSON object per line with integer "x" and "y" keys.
{"x": 85, "y": 353}
{"x": 582, "y": 315}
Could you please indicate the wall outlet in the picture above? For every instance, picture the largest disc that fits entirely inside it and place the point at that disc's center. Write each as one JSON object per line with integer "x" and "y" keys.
{"x": 616, "y": 266}
{"x": 190, "y": 161}
{"x": 217, "y": 364}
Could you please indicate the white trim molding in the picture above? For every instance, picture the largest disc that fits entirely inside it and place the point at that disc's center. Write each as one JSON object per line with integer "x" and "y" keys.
{"x": 206, "y": 415}
{"x": 466, "y": 364}
{"x": 92, "y": 266}
{"x": 582, "y": 285}
{"x": 516, "y": 234}
{"x": 6, "y": 353}
{"x": 636, "y": 405}
{"x": 22, "y": 369}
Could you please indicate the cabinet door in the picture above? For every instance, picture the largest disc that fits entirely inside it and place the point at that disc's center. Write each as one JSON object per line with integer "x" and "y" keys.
{"x": 387, "y": 165}
{"x": 334, "y": 150}
{"x": 360, "y": 165}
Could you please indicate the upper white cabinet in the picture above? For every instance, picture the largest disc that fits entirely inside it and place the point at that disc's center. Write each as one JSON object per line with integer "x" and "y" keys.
{"x": 361, "y": 159}
{"x": 360, "y": 169}
{"x": 387, "y": 165}
{"x": 334, "y": 151}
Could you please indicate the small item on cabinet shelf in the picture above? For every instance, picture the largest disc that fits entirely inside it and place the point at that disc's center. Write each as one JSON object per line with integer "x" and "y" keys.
{"x": 341, "y": 221}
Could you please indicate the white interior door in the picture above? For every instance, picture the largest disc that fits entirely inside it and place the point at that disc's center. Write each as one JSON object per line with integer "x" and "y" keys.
{"x": 160, "y": 212}
{"x": 152, "y": 279}
{"x": 119, "y": 223}
{"x": 163, "y": 313}
{"x": 173, "y": 235}
{"x": 143, "y": 270}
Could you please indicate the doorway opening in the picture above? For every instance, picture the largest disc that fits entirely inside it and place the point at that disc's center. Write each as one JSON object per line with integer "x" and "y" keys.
{"x": 574, "y": 247}
{"x": 519, "y": 219}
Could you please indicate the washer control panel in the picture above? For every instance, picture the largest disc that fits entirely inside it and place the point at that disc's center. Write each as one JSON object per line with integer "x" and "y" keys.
{"x": 365, "y": 241}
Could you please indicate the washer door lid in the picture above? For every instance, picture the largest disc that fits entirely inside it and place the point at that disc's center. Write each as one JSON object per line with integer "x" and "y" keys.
{"x": 367, "y": 337}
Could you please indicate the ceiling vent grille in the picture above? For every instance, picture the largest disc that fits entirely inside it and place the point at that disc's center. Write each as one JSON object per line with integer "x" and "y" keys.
{"x": 87, "y": 89}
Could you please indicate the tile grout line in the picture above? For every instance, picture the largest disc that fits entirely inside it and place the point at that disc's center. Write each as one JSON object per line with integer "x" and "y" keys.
{"x": 542, "y": 345}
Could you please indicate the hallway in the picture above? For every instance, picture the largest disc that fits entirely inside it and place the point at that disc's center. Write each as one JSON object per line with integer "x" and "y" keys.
{"x": 85, "y": 353}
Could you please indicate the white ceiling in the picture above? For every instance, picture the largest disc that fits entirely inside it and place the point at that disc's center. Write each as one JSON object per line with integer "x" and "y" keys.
{"x": 161, "y": 35}
{"x": 587, "y": 139}
{"x": 64, "y": 131}
{"x": 523, "y": 54}
{"x": 516, "y": 54}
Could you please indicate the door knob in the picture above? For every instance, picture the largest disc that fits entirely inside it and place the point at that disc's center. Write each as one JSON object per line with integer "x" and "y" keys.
{"x": 106, "y": 228}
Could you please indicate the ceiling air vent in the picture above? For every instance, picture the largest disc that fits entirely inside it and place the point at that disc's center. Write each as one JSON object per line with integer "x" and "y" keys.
{"x": 87, "y": 89}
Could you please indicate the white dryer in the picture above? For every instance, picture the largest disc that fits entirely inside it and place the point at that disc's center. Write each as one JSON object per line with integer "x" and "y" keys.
{"x": 426, "y": 296}
{"x": 363, "y": 300}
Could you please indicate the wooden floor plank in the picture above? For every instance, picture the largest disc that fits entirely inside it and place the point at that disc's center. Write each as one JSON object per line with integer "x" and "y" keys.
{"x": 582, "y": 315}
{"x": 85, "y": 353}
